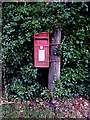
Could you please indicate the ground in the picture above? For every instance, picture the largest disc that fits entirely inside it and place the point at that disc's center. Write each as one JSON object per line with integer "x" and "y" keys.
{"x": 77, "y": 107}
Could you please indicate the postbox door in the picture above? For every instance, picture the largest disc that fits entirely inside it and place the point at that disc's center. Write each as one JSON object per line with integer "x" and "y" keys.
{"x": 41, "y": 56}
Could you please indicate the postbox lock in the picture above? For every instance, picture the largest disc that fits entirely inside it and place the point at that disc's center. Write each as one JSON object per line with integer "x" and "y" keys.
{"x": 41, "y": 47}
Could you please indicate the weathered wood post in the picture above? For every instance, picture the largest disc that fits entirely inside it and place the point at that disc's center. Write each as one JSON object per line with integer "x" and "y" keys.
{"x": 54, "y": 68}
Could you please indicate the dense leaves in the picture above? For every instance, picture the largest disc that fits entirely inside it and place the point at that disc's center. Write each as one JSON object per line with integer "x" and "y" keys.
{"x": 75, "y": 51}
{"x": 21, "y": 21}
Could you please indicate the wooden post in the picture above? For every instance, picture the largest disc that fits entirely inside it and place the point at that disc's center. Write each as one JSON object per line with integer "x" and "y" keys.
{"x": 54, "y": 68}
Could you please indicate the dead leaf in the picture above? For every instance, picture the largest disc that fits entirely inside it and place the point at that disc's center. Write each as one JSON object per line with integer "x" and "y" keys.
{"x": 66, "y": 116}
{"x": 47, "y": 106}
{"x": 37, "y": 100}
{"x": 20, "y": 106}
{"x": 1, "y": 102}
{"x": 74, "y": 116}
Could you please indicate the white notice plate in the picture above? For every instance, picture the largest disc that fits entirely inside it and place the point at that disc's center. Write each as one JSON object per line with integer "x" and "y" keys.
{"x": 41, "y": 55}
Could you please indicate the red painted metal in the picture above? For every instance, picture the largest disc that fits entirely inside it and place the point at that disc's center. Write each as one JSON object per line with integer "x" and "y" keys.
{"x": 41, "y": 50}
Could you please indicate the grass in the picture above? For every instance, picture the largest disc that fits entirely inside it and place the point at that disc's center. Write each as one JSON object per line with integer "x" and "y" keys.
{"x": 43, "y": 109}
{"x": 24, "y": 111}
{"x": 16, "y": 111}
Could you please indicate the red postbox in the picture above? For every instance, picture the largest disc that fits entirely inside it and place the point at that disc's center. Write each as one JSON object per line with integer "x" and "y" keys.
{"x": 41, "y": 50}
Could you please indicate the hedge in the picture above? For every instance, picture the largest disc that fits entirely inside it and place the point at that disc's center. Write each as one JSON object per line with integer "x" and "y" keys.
{"x": 20, "y": 22}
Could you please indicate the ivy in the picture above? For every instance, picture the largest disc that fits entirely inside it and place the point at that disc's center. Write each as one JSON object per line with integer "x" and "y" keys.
{"x": 21, "y": 21}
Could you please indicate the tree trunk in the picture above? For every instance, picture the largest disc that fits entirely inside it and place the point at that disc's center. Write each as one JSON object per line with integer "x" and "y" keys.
{"x": 54, "y": 69}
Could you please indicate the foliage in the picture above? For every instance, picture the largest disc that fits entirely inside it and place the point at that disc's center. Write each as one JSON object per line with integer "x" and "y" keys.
{"x": 74, "y": 51}
{"x": 25, "y": 84}
{"x": 21, "y": 21}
